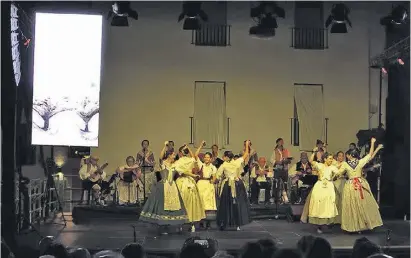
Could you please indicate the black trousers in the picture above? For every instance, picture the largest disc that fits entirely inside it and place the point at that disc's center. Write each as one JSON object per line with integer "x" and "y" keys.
{"x": 255, "y": 190}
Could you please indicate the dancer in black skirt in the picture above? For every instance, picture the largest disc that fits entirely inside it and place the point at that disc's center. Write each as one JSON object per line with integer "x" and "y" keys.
{"x": 234, "y": 207}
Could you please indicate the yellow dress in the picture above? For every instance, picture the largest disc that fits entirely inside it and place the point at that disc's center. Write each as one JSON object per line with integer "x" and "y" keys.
{"x": 206, "y": 188}
{"x": 188, "y": 189}
{"x": 320, "y": 207}
{"x": 339, "y": 183}
{"x": 360, "y": 210}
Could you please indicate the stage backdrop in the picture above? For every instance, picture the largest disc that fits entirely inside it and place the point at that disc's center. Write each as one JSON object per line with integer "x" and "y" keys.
{"x": 150, "y": 69}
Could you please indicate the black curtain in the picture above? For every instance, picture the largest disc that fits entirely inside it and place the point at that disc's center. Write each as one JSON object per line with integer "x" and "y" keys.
{"x": 8, "y": 123}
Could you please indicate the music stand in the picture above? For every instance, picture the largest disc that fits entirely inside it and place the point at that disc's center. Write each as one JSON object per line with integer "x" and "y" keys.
{"x": 128, "y": 178}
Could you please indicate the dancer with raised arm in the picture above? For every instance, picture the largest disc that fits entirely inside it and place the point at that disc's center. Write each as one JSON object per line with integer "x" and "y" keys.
{"x": 164, "y": 206}
{"x": 360, "y": 210}
{"x": 339, "y": 182}
{"x": 188, "y": 187}
{"x": 234, "y": 206}
{"x": 320, "y": 208}
{"x": 206, "y": 184}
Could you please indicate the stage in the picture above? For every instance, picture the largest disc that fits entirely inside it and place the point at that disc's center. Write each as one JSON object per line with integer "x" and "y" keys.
{"x": 113, "y": 232}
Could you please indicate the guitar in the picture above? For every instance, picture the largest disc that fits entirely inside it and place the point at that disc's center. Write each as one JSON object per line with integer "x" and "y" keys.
{"x": 96, "y": 176}
{"x": 365, "y": 171}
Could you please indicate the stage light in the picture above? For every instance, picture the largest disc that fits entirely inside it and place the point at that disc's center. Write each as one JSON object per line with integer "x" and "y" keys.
{"x": 120, "y": 13}
{"x": 265, "y": 16}
{"x": 400, "y": 61}
{"x": 338, "y": 19}
{"x": 398, "y": 16}
{"x": 191, "y": 14}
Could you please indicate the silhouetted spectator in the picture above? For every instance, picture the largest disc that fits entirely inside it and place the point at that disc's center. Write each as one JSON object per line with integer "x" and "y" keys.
{"x": 133, "y": 250}
{"x": 193, "y": 250}
{"x": 57, "y": 250}
{"x": 287, "y": 253}
{"x": 320, "y": 249}
{"x": 107, "y": 254}
{"x": 222, "y": 254}
{"x": 252, "y": 250}
{"x": 79, "y": 253}
{"x": 305, "y": 244}
{"x": 364, "y": 248}
{"x": 379, "y": 256}
{"x": 269, "y": 247}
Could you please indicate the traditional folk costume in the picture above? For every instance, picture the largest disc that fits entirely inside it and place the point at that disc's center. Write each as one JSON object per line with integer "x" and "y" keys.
{"x": 280, "y": 167}
{"x": 261, "y": 179}
{"x": 320, "y": 208}
{"x": 145, "y": 160}
{"x": 360, "y": 210}
{"x": 188, "y": 189}
{"x": 128, "y": 184}
{"x": 91, "y": 180}
{"x": 247, "y": 167}
{"x": 339, "y": 182}
{"x": 234, "y": 206}
{"x": 165, "y": 206}
{"x": 206, "y": 189}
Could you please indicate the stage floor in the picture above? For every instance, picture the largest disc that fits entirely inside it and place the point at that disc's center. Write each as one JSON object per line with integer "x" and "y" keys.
{"x": 111, "y": 233}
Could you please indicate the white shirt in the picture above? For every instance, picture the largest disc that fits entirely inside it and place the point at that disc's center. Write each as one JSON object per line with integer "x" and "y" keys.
{"x": 326, "y": 172}
{"x": 185, "y": 164}
{"x": 208, "y": 169}
{"x": 231, "y": 169}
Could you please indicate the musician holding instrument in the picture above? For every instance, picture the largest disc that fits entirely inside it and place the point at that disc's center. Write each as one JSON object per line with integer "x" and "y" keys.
{"x": 146, "y": 161}
{"x": 261, "y": 175}
{"x": 296, "y": 173}
{"x": 129, "y": 183}
{"x": 92, "y": 175}
{"x": 206, "y": 184}
{"x": 281, "y": 159}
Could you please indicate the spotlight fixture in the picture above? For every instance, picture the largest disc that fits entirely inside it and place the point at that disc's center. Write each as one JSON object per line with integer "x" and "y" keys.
{"x": 120, "y": 13}
{"x": 265, "y": 16}
{"x": 338, "y": 19}
{"x": 398, "y": 16}
{"x": 192, "y": 12}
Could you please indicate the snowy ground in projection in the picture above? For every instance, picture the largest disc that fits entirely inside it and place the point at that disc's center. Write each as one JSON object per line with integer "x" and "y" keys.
{"x": 65, "y": 129}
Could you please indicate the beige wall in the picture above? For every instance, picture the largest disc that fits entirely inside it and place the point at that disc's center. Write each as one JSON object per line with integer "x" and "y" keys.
{"x": 150, "y": 68}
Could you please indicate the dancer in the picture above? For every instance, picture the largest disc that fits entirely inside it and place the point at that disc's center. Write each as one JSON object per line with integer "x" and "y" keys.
{"x": 188, "y": 187}
{"x": 127, "y": 186}
{"x": 360, "y": 211}
{"x": 234, "y": 206}
{"x": 339, "y": 182}
{"x": 145, "y": 160}
{"x": 164, "y": 206}
{"x": 205, "y": 185}
{"x": 320, "y": 208}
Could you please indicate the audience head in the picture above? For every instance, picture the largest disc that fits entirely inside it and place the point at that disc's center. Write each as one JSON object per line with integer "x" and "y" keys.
{"x": 269, "y": 247}
{"x": 107, "y": 254}
{"x": 364, "y": 248}
{"x": 320, "y": 248}
{"x": 209, "y": 248}
{"x": 193, "y": 250}
{"x": 379, "y": 256}
{"x": 287, "y": 253}
{"x": 133, "y": 250}
{"x": 79, "y": 253}
{"x": 305, "y": 244}
{"x": 252, "y": 250}
{"x": 222, "y": 254}
{"x": 57, "y": 250}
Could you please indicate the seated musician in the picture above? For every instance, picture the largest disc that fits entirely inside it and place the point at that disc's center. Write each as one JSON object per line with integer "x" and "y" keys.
{"x": 297, "y": 172}
{"x": 92, "y": 175}
{"x": 129, "y": 187}
{"x": 261, "y": 175}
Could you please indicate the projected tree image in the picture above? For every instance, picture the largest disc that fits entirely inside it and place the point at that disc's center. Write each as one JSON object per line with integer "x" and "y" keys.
{"x": 47, "y": 108}
{"x": 87, "y": 109}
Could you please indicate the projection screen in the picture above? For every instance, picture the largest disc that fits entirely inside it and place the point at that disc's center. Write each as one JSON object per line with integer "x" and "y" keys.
{"x": 66, "y": 83}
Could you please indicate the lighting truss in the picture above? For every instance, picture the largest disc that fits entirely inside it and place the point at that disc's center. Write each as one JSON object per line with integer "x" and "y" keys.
{"x": 400, "y": 49}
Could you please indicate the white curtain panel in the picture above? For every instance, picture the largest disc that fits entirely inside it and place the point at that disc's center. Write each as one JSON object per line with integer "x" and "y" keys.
{"x": 310, "y": 110}
{"x": 210, "y": 118}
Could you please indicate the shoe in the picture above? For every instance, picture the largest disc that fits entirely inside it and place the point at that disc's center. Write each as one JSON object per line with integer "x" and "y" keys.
{"x": 238, "y": 229}
{"x": 319, "y": 231}
{"x": 193, "y": 229}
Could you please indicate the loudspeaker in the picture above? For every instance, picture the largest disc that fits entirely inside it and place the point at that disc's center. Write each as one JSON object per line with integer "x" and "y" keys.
{"x": 294, "y": 212}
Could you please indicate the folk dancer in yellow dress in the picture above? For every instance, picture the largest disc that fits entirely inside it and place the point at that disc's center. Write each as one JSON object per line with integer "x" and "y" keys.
{"x": 164, "y": 206}
{"x": 234, "y": 206}
{"x": 206, "y": 184}
{"x": 91, "y": 175}
{"x": 188, "y": 187}
{"x": 129, "y": 182}
{"x": 339, "y": 183}
{"x": 360, "y": 210}
{"x": 145, "y": 160}
{"x": 320, "y": 208}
